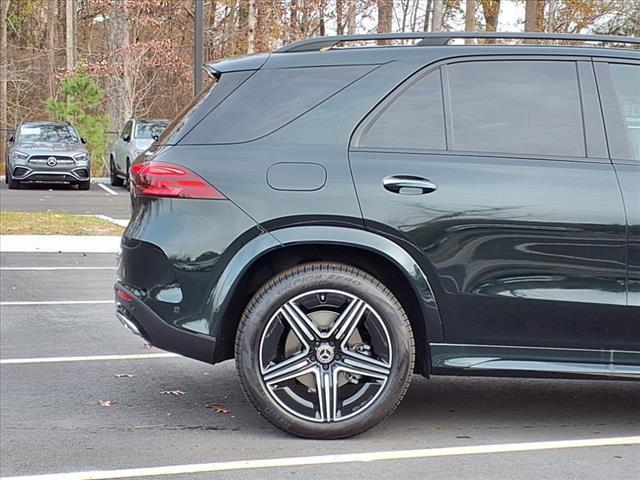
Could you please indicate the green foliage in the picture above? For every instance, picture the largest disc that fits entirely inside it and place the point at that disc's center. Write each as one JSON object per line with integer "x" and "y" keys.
{"x": 82, "y": 107}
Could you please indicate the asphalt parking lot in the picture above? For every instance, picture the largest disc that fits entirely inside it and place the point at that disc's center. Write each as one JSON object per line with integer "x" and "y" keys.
{"x": 101, "y": 199}
{"x": 61, "y": 357}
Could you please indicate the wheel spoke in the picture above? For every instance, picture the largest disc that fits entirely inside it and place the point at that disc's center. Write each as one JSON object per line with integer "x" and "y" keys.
{"x": 348, "y": 320}
{"x": 327, "y": 386}
{"x": 363, "y": 365}
{"x": 292, "y": 367}
{"x": 300, "y": 323}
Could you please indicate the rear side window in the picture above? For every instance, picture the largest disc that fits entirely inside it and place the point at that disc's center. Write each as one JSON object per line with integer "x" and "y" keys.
{"x": 517, "y": 107}
{"x": 201, "y": 106}
{"x": 413, "y": 120}
{"x": 626, "y": 83}
{"x": 269, "y": 100}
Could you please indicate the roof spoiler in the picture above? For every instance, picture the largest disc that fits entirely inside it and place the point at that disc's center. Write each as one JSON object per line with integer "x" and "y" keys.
{"x": 253, "y": 62}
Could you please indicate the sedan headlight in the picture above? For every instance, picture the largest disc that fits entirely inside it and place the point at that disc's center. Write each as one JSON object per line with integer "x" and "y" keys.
{"x": 82, "y": 158}
{"x": 16, "y": 155}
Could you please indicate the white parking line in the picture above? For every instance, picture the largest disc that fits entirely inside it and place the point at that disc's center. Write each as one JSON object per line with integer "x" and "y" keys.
{"x": 57, "y": 302}
{"x": 332, "y": 459}
{"x": 107, "y": 189}
{"x": 39, "y": 269}
{"x": 90, "y": 358}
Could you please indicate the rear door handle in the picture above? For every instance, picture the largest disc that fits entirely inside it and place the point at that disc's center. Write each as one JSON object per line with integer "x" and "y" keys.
{"x": 408, "y": 185}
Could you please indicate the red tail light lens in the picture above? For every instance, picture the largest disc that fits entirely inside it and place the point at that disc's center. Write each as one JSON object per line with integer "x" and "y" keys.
{"x": 158, "y": 179}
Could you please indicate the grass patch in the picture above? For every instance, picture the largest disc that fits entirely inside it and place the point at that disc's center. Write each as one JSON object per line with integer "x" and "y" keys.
{"x": 50, "y": 223}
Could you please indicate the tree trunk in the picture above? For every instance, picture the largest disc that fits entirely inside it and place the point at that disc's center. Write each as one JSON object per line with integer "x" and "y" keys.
{"x": 51, "y": 46}
{"x": 339, "y": 17}
{"x": 530, "y": 16}
{"x": 385, "y": 16}
{"x": 351, "y": 17}
{"x": 119, "y": 87}
{"x": 251, "y": 26}
{"x": 427, "y": 15}
{"x": 436, "y": 20}
{"x": 491, "y": 11}
{"x": 540, "y": 16}
{"x": 470, "y": 19}
{"x": 4, "y": 124}
{"x": 70, "y": 39}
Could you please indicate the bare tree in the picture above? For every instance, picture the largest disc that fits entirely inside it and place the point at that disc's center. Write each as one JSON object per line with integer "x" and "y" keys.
{"x": 385, "y": 16}
{"x": 4, "y": 124}
{"x": 470, "y": 18}
{"x": 491, "y": 11}
{"x": 51, "y": 46}
{"x": 436, "y": 21}
{"x": 70, "y": 37}
{"x": 530, "y": 16}
{"x": 339, "y": 17}
{"x": 351, "y": 17}
{"x": 427, "y": 15}
{"x": 251, "y": 26}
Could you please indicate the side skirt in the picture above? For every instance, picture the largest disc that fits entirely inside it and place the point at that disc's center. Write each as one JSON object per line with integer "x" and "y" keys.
{"x": 504, "y": 360}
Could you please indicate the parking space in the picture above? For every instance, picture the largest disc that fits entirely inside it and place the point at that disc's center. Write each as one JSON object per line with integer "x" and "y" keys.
{"x": 101, "y": 199}
{"x": 52, "y": 420}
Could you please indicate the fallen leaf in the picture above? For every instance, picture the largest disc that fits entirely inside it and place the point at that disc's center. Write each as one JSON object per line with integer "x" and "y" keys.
{"x": 148, "y": 345}
{"x": 123, "y": 375}
{"x": 107, "y": 403}
{"x": 173, "y": 392}
{"x": 219, "y": 408}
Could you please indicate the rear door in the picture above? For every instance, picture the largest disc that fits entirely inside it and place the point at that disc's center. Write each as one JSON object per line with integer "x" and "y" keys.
{"x": 121, "y": 146}
{"x": 619, "y": 86}
{"x": 495, "y": 173}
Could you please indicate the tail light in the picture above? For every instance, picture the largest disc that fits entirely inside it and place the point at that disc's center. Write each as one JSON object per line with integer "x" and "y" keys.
{"x": 158, "y": 179}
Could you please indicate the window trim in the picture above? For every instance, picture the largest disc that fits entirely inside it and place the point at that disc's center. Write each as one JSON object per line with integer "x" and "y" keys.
{"x": 587, "y": 120}
{"x": 613, "y": 120}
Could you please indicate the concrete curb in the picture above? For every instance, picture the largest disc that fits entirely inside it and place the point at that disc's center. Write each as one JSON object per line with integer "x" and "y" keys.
{"x": 59, "y": 243}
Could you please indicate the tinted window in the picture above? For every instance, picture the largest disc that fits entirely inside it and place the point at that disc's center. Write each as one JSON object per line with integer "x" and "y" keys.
{"x": 147, "y": 129}
{"x": 47, "y": 133}
{"x": 126, "y": 131}
{"x": 526, "y": 107}
{"x": 626, "y": 82}
{"x": 270, "y": 99}
{"x": 414, "y": 120}
{"x": 201, "y": 106}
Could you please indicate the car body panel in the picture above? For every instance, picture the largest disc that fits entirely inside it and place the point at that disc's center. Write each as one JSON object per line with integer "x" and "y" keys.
{"x": 565, "y": 250}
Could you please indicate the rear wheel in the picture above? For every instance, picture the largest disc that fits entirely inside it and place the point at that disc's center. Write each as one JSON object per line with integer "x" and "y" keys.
{"x": 324, "y": 351}
{"x": 115, "y": 180}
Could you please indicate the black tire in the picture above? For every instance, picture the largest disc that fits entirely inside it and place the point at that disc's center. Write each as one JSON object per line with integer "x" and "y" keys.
{"x": 13, "y": 184}
{"x": 115, "y": 180}
{"x": 84, "y": 185}
{"x": 264, "y": 315}
{"x": 127, "y": 180}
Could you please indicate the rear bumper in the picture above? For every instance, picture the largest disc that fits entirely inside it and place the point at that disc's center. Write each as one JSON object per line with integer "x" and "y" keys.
{"x": 138, "y": 318}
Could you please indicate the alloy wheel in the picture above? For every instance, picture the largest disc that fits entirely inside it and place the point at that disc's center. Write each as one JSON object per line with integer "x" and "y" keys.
{"x": 325, "y": 355}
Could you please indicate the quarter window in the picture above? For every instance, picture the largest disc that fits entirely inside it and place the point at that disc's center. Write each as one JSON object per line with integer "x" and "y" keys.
{"x": 626, "y": 83}
{"x": 414, "y": 120}
{"x": 516, "y": 107}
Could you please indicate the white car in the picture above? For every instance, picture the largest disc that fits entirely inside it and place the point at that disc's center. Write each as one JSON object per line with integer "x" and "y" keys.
{"x": 135, "y": 138}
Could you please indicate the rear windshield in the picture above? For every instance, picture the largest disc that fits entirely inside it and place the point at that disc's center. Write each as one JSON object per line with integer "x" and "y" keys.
{"x": 48, "y": 133}
{"x": 148, "y": 129}
{"x": 270, "y": 99}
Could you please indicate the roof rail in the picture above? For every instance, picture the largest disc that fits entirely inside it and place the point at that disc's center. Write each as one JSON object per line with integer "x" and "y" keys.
{"x": 442, "y": 38}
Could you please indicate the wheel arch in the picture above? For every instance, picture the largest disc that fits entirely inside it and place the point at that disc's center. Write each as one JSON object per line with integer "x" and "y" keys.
{"x": 267, "y": 255}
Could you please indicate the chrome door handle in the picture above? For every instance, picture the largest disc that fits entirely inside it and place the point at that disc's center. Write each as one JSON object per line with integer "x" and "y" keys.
{"x": 408, "y": 184}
